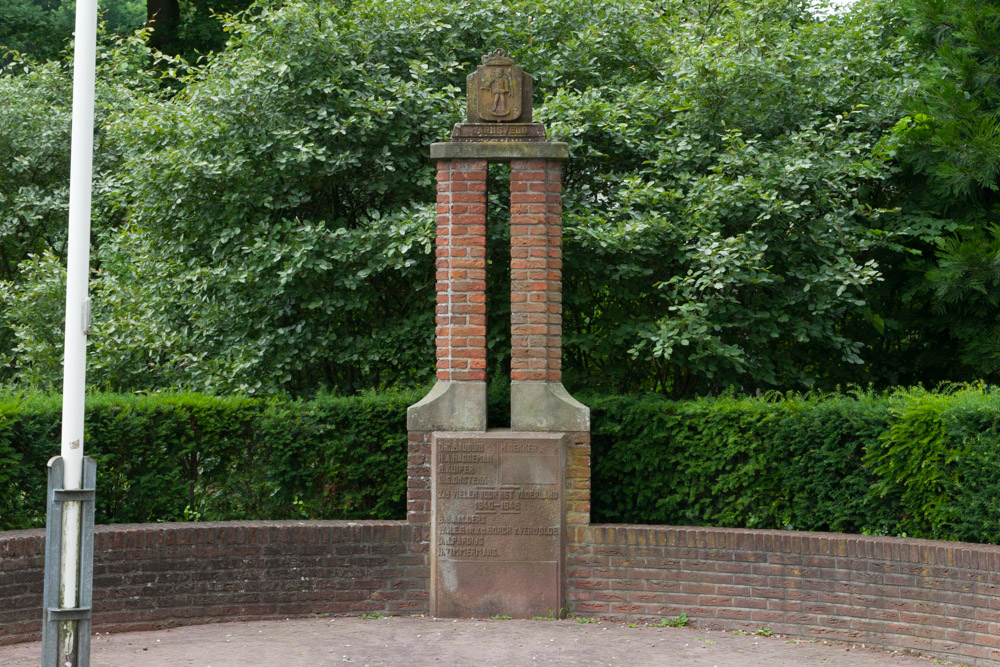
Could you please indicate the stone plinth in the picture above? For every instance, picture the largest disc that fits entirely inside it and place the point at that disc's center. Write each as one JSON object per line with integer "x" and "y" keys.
{"x": 498, "y": 517}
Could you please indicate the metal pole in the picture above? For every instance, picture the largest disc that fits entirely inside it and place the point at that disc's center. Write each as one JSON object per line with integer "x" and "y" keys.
{"x": 77, "y": 314}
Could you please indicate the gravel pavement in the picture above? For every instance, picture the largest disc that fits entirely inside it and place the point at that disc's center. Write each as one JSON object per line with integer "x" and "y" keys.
{"x": 419, "y": 642}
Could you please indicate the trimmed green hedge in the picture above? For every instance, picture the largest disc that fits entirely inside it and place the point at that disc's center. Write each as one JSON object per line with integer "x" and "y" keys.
{"x": 196, "y": 457}
{"x": 909, "y": 463}
{"x": 796, "y": 463}
{"x": 912, "y": 462}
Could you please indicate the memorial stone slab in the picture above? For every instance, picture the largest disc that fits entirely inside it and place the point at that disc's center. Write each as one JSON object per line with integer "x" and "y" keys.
{"x": 497, "y": 517}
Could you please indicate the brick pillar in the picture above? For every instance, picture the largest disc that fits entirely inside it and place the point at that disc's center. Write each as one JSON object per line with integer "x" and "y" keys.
{"x": 539, "y": 402}
{"x": 458, "y": 401}
{"x": 536, "y": 270}
{"x": 547, "y": 447}
{"x": 461, "y": 270}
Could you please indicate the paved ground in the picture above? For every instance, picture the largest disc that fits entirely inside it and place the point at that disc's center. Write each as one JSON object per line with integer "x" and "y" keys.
{"x": 418, "y": 642}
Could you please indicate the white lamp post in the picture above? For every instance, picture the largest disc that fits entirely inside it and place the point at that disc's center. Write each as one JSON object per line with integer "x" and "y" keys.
{"x": 77, "y": 315}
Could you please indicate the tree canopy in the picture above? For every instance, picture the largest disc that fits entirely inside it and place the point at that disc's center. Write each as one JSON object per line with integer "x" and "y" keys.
{"x": 951, "y": 175}
{"x": 42, "y": 28}
{"x": 744, "y": 205}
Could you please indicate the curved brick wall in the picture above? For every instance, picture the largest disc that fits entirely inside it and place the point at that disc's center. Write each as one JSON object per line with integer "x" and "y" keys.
{"x": 941, "y": 598}
{"x": 162, "y": 575}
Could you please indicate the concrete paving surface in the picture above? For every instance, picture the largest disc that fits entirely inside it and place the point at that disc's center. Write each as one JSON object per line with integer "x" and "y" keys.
{"x": 419, "y": 642}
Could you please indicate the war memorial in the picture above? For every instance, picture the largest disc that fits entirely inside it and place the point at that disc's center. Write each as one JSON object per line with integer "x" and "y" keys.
{"x": 499, "y": 500}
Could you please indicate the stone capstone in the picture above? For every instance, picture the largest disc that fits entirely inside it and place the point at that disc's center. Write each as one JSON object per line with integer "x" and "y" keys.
{"x": 500, "y": 151}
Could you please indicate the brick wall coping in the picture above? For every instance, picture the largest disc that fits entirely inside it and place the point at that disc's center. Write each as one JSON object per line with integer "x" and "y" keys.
{"x": 844, "y": 545}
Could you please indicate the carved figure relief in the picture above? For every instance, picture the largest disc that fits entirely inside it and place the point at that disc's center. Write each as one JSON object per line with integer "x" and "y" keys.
{"x": 497, "y": 90}
{"x": 500, "y": 84}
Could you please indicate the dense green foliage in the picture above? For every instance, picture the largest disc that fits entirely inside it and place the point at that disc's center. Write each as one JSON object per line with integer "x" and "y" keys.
{"x": 914, "y": 463}
{"x": 195, "y": 457}
{"x": 266, "y": 222}
{"x": 947, "y": 301}
{"x": 909, "y": 463}
{"x": 34, "y": 197}
{"x": 791, "y": 464}
{"x": 936, "y": 463}
{"x": 43, "y": 28}
{"x": 201, "y": 29}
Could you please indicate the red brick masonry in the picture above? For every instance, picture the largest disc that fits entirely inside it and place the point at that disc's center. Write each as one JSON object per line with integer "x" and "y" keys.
{"x": 941, "y": 598}
{"x": 536, "y": 270}
{"x": 461, "y": 270}
{"x": 162, "y": 575}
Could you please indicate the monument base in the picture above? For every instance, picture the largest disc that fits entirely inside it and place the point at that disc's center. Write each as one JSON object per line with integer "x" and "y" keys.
{"x": 546, "y": 406}
{"x": 497, "y": 524}
{"x": 450, "y": 405}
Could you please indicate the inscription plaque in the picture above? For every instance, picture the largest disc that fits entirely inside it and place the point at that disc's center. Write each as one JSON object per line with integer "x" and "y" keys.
{"x": 497, "y": 524}
{"x": 498, "y": 132}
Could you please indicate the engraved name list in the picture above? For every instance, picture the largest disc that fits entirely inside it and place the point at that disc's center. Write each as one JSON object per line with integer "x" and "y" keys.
{"x": 488, "y": 491}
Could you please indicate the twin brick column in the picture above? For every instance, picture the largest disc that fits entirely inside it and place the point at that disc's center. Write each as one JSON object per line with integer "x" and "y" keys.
{"x": 460, "y": 314}
{"x": 536, "y": 270}
{"x": 535, "y": 266}
{"x": 538, "y": 400}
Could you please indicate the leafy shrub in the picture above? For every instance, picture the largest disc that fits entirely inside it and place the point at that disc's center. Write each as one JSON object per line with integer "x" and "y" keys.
{"x": 937, "y": 464}
{"x": 793, "y": 463}
{"x": 910, "y": 462}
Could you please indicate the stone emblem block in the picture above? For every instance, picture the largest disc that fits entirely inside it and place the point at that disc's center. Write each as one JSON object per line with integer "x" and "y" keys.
{"x": 497, "y": 521}
{"x": 498, "y": 91}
